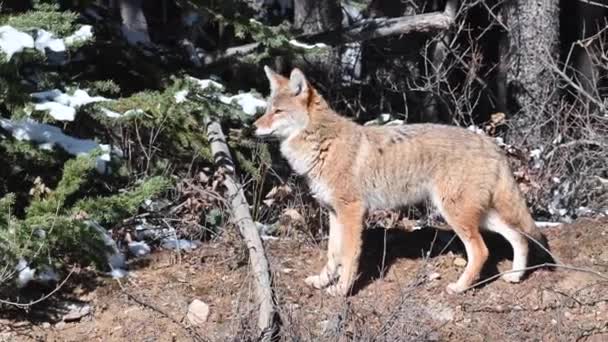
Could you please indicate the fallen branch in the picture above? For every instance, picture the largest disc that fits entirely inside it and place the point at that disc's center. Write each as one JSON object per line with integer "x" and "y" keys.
{"x": 362, "y": 31}
{"x": 384, "y": 27}
{"x": 240, "y": 211}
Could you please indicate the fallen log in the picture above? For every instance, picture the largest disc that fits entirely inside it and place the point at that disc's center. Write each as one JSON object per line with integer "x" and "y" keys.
{"x": 267, "y": 314}
{"x": 362, "y": 31}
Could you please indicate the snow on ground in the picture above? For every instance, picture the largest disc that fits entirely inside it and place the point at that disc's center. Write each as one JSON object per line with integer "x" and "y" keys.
{"x": 48, "y": 136}
{"x": 62, "y": 106}
{"x": 13, "y": 41}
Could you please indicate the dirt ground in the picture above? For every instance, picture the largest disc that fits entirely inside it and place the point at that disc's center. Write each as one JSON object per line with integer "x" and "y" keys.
{"x": 401, "y": 294}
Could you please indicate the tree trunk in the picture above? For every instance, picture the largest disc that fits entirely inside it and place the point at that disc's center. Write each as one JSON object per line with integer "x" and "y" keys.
{"x": 313, "y": 16}
{"x": 439, "y": 53}
{"x": 316, "y": 16}
{"x": 531, "y": 42}
{"x": 134, "y": 24}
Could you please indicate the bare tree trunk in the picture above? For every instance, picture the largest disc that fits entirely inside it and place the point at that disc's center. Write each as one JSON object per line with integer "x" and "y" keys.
{"x": 440, "y": 51}
{"x": 533, "y": 38}
{"x": 134, "y": 24}
{"x": 586, "y": 74}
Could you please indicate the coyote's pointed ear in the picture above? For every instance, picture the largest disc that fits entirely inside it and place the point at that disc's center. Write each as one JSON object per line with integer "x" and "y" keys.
{"x": 297, "y": 82}
{"x": 274, "y": 79}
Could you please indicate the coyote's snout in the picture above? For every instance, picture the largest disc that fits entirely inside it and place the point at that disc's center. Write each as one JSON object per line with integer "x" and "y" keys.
{"x": 352, "y": 169}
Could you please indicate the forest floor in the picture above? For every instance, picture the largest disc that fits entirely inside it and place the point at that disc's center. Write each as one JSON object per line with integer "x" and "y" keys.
{"x": 406, "y": 301}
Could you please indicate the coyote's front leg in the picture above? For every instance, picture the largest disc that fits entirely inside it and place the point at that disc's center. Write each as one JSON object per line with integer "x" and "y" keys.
{"x": 329, "y": 273}
{"x": 350, "y": 219}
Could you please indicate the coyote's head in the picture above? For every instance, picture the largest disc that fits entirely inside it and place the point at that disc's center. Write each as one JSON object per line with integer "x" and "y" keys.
{"x": 287, "y": 109}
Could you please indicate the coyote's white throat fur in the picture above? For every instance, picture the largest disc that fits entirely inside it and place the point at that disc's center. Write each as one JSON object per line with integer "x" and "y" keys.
{"x": 352, "y": 169}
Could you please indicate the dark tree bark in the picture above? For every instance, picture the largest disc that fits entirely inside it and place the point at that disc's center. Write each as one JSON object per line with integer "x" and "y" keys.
{"x": 437, "y": 59}
{"x": 532, "y": 41}
{"x": 313, "y": 16}
{"x": 591, "y": 18}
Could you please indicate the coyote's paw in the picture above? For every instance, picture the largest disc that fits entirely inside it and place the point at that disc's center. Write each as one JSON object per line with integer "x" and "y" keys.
{"x": 315, "y": 281}
{"x": 514, "y": 277}
{"x": 454, "y": 288}
{"x": 337, "y": 290}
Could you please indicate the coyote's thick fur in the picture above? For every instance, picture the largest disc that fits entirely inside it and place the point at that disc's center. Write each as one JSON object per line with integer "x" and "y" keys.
{"x": 352, "y": 169}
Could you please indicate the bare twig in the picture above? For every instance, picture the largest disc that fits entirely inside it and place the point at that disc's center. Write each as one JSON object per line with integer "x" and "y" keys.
{"x": 47, "y": 296}
{"x": 546, "y": 264}
{"x": 575, "y": 85}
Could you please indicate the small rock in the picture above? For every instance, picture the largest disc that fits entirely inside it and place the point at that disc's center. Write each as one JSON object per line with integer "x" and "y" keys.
{"x": 76, "y": 312}
{"x": 460, "y": 262}
{"x": 46, "y": 325}
{"x": 60, "y": 325}
{"x": 567, "y": 314}
{"x": 553, "y": 322}
{"x": 434, "y": 276}
{"x": 198, "y": 312}
{"x": 287, "y": 270}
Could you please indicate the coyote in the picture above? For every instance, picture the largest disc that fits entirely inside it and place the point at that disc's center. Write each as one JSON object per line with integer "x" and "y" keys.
{"x": 352, "y": 169}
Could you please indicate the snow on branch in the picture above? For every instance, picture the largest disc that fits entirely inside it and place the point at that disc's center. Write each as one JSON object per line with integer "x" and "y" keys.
{"x": 13, "y": 41}
{"x": 48, "y": 136}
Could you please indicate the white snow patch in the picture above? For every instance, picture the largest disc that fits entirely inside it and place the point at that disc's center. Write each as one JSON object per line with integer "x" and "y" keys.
{"x": 58, "y": 111}
{"x": 139, "y": 248}
{"x": 206, "y": 83}
{"x": 46, "y": 40}
{"x": 116, "y": 260}
{"x": 110, "y": 113}
{"x": 83, "y": 34}
{"x": 136, "y": 111}
{"x": 476, "y": 129}
{"x": 13, "y": 41}
{"x": 79, "y": 98}
{"x": 26, "y": 274}
{"x": 48, "y": 136}
{"x": 307, "y": 46}
{"x": 62, "y": 106}
{"x": 247, "y": 101}
{"x": 180, "y": 96}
